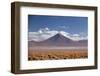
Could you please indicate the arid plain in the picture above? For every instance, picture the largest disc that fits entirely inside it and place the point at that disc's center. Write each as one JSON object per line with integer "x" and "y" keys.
{"x": 56, "y": 54}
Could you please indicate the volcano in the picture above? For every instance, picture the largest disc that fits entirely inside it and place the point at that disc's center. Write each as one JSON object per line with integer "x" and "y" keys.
{"x": 59, "y": 40}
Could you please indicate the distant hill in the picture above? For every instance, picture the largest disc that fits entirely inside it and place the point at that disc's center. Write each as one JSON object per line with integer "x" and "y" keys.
{"x": 59, "y": 40}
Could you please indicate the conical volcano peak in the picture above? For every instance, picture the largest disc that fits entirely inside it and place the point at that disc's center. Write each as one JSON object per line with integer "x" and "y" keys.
{"x": 59, "y": 38}
{"x": 59, "y": 34}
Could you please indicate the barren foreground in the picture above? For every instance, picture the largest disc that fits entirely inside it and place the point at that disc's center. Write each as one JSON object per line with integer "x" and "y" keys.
{"x": 55, "y": 54}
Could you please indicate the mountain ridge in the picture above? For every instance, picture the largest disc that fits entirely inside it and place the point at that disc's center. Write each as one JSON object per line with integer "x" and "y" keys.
{"x": 59, "y": 40}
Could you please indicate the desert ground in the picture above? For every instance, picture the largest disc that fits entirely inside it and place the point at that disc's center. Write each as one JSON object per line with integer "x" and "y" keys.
{"x": 56, "y": 54}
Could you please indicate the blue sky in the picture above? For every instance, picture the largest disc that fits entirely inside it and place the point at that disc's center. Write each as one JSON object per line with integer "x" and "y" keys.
{"x": 70, "y": 24}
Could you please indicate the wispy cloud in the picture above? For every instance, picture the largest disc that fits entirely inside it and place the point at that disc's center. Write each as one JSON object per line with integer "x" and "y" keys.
{"x": 63, "y": 27}
{"x": 45, "y": 33}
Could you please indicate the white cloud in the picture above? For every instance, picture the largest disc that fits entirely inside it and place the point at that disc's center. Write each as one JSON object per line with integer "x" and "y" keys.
{"x": 76, "y": 35}
{"x": 47, "y": 29}
{"x": 46, "y": 33}
{"x": 65, "y": 34}
{"x": 42, "y": 34}
{"x": 43, "y": 30}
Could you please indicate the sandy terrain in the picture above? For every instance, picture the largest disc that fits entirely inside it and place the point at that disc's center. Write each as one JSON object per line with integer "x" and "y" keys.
{"x": 55, "y": 54}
